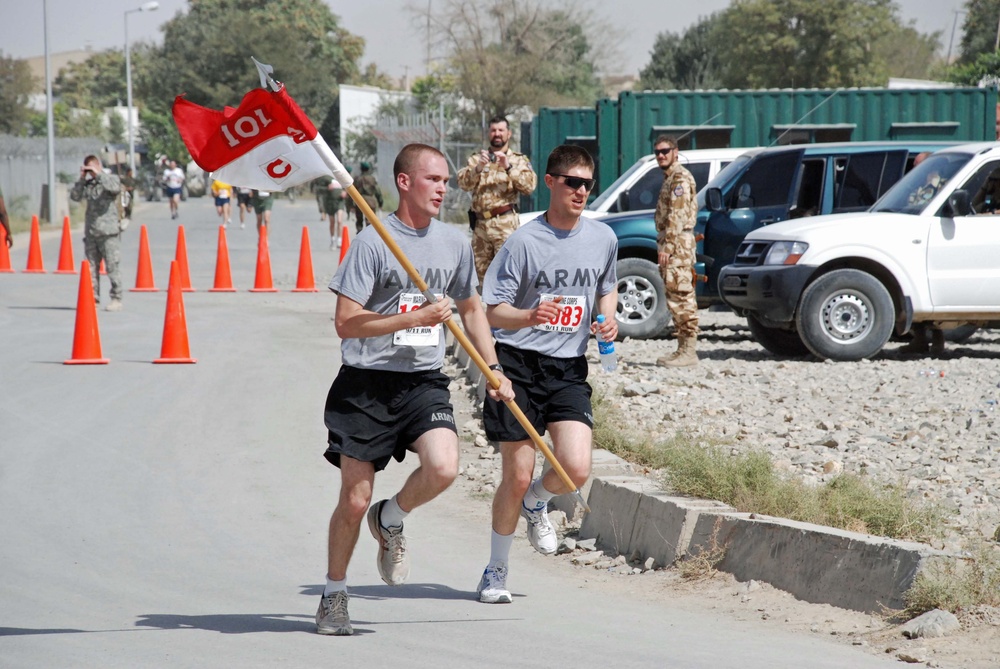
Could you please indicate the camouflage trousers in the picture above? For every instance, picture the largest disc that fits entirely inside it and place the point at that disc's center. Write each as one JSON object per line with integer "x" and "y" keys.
{"x": 109, "y": 249}
{"x": 678, "y": 284}
{"x": 488, "y": 237}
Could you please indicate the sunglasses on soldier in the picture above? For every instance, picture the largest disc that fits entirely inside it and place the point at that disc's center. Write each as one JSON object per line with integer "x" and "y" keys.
{"x": 575, "y": 182}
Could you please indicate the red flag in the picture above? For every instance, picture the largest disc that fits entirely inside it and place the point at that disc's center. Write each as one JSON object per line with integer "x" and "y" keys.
{"x": 266, "y": 143}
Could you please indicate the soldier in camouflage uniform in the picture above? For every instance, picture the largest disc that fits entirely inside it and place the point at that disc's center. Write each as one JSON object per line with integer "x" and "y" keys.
{"x": 676, "y": 213}
{"x": 369, "y": 189}
{"x": 102, "y": 231}
{"x": 495, "y": 177}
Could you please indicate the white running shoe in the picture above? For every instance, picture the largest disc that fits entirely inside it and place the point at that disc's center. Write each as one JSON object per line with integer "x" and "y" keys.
{"x": 541, "y": 534}
{"x": 333, "y": 243}
{"x": 393, "y": 562}
{"x": 331, "y": 617}
{"x": 493, "y": 586}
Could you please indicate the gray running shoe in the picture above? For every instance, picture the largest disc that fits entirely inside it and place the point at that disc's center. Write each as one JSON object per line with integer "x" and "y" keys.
{"x": 493, "y": 586}
{"x": 331, "y": 617}
{"x": 541, "y": 534}
{"x": 393, "y": 562}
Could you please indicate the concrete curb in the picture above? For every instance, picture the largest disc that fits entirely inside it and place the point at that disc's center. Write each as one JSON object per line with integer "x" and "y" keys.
{"x": 632, "y": 515}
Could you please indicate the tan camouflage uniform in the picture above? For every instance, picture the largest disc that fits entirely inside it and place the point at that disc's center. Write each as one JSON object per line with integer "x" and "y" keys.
{"x": 492, "y": 188}
{"x": 369, "y": 189}
{"x": 102, "y": 230}
{"x": 676, "y": 213}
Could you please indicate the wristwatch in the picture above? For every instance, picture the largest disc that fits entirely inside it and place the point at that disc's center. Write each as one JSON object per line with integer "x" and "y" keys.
{"x": 496, "y": 367}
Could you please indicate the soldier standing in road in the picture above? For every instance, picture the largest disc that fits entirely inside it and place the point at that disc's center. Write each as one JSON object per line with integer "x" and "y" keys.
{"x": 332, "y": 200}
{"x": 495, "y": 177}
{"x": 368, "y": 186}
{"x": 102, "y": 230}
{"x": 676, "y": 213}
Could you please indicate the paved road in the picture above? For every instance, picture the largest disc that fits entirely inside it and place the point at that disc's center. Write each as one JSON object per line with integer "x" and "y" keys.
{"x": 174, "y": 516}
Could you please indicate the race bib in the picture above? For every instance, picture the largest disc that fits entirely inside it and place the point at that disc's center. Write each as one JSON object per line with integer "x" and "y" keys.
{"x": 428, "y": 335}
{"x": 572, "y": 309}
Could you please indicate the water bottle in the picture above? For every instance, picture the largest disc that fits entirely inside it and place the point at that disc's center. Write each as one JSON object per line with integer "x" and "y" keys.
{"x": 609, "y": 361}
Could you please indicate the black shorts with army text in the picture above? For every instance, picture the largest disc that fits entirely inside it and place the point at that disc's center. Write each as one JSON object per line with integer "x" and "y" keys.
{"x": 375, "y": 415}
{"x": 546, "y": 389}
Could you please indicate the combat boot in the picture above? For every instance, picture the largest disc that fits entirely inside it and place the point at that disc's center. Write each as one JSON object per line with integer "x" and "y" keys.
{"x": 663, "y": 360}
{"x": 937, "y": 341}
{"x": 919, "y": 343}
{"x": 685, "y": 356}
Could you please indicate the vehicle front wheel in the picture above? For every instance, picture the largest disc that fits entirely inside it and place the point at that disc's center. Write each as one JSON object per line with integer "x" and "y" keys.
{"x": 776, "y": 340}
{"x": 642, "y": 305}
{"x": 845, "y": 315}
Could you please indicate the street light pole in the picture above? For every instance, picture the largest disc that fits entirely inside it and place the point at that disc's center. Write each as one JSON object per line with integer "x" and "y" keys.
{"x": 147, "y": 7}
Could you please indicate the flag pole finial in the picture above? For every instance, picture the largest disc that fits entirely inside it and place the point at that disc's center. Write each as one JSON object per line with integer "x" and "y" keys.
{"x": 265, "y": 75}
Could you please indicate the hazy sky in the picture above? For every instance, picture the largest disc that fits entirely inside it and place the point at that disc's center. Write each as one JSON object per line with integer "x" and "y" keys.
{"x": 392, "y": 41}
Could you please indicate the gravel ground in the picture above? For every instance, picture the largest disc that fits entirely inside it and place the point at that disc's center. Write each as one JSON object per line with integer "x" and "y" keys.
{"x": 929, "y": 422}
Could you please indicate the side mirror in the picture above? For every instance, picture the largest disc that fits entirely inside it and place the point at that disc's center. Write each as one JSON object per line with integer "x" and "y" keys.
{"x": 713, "y": 197}
{"x": 623, "y": 201}
{"x": 959, "y": 204}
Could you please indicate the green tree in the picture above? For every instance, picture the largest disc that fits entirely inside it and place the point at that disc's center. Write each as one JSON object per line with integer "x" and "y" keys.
{"x": 95, "y": 83}
{"x": 16, "y": 86}
{"x": 686, "y": 61}
{"x": 116, "y": 128}
{"x": 802, "y": 43}
{"x": 985, "y": 69}
{"x": 979, "y": 30}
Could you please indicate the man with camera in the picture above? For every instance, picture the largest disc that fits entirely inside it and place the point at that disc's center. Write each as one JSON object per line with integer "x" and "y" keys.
{"x": 495, "y": 177}
{"x": 102, "y": 230}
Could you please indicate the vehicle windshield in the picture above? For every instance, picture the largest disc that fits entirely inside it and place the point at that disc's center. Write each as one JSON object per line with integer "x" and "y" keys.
{"x": 725, "y": 175}
{"x": 613, "y": 188}
{"x": 918, "y": 187}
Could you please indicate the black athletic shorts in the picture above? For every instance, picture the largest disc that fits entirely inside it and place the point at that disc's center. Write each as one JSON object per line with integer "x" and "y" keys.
{"x": 546, "y": 389}
{"x": 373, "y": 415}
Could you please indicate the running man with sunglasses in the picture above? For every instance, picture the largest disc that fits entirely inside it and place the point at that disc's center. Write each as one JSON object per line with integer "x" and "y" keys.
{"x": 543, "y": 292}
{"x": 676, "y": 214}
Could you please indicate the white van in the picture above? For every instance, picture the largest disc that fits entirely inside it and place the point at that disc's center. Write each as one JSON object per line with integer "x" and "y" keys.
{"x": 639, "y": 187}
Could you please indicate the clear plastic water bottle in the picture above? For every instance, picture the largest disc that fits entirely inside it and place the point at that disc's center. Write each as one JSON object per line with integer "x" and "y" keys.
{"x": 609, "y": 360}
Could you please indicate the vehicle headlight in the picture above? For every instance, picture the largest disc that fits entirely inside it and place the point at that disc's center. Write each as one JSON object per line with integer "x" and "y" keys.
{"x": 785, "y": 253}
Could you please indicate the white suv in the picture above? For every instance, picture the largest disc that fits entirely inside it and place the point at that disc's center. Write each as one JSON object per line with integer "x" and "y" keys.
{"x": 837, "y": 286}
{"x": 639, "y": 187}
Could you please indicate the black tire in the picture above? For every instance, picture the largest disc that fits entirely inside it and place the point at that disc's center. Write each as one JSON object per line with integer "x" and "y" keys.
{"x": 642, "y": 307}
{"x": 776, "y": 340}
{"x": 845, "y": 315}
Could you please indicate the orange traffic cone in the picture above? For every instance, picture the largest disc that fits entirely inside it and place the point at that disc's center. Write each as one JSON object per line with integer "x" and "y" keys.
{"x": 182, "y": 261}
{"x": 306, "y": 282}
{"x": 86, "y": 336}
{"x": 345, "y": 243}
{"x": 174, "y": 348}
{"x": 34, "y": 250}
{"x": 144, "y": 272}
{"x": 223, "y": 275}
{"x": 4, "y": 252}
{"x": 262, "y": 279}
{"x": 104, "y": 270}
{"x": 66, "y": 251}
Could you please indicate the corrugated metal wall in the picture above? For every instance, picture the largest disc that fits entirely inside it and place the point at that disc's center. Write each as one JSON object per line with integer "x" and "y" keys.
{"x": 555, "y": 126}
{"x": 626, "y": 127}
{"x": 24, "y": 168}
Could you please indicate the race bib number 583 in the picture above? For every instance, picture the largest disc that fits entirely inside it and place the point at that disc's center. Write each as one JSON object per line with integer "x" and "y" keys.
{"x": 572, "y": 309}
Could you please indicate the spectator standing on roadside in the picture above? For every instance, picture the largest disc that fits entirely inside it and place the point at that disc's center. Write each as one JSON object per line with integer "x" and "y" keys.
{"x": 173, "y": 184}
{"x": 223, "y": 200}
{"x": 102, "y": 229}
{"x": 542, "y": 293}
{"x": 262, "y": 201}
{"x": 496, "y": 177}
{"x": 5, "y": 221}
{"x": 676, "y": 214}
{"x": 128, "y": 185}
{"x": 390, "y": 396}
{"x": 368, "y": 186}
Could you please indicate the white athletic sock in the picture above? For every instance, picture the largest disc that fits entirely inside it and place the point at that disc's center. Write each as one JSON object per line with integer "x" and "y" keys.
{"x": 537, "y": 496}
{"x": 500, "y": 548}
{"x": 334, "y": 586}
{"x": 392, "y": 515}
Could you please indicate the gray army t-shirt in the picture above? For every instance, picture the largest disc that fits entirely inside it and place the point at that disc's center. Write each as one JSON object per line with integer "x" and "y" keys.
{"x": 539, "y": 261}
{"x": 371, "y": 276}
